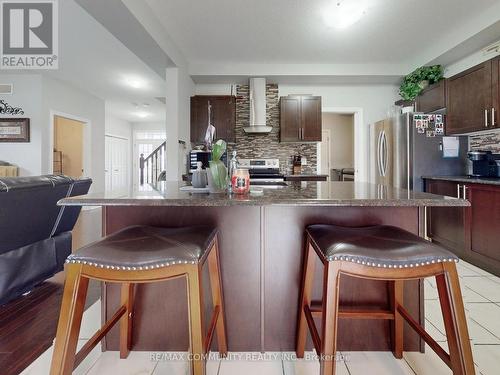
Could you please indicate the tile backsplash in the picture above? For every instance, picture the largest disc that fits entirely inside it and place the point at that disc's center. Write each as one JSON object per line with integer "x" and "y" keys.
{"x": 267, "y": 145}
{"x": 485, "y": 141}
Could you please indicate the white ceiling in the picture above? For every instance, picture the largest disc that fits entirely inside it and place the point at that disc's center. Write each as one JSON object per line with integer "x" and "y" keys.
{"x": 403, "y": 33}
{"x": 95, "y": 61}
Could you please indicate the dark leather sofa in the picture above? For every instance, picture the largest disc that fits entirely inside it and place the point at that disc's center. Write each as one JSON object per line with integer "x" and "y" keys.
{"x": 35, "y": 233}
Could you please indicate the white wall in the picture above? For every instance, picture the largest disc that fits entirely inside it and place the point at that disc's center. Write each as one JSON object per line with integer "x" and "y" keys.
{"x": 180, "y": 88}
{"x": 27, "y": 95}
{"x": 117, "y": 127}
{"x": 467, "y": 62}
{"x": 148, "y": 127}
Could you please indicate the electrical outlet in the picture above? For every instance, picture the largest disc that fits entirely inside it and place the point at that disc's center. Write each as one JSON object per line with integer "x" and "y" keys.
{"x": 303, "y": 161}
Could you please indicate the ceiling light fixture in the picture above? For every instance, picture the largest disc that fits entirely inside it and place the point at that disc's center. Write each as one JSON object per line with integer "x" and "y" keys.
{"x": 135, "y": 82}
{"x": 343, "y": 14}
{"x": 142, "y": 114}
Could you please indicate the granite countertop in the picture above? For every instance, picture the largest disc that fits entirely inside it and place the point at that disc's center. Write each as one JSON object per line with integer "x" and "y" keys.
{"x": 343, "y": 194}
{"x": 466, "y": 179}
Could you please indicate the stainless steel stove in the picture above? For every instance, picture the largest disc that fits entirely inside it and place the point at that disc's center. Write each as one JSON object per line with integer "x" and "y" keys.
{"x": 263, "y": 172}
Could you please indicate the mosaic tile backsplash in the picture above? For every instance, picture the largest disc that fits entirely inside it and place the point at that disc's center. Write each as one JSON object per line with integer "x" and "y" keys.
{"x": 268, "y": 146}
{"x": 486, "y": 141}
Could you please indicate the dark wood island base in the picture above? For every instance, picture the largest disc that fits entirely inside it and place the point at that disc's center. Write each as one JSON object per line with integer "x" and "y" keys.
{"x": 261, "y": 242}
{"x": 261, "y": 251}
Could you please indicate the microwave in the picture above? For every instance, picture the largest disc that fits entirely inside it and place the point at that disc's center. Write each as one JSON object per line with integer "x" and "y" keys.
{"x": 204, "y": 156}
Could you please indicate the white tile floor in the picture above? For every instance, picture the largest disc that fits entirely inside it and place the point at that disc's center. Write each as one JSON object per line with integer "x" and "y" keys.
{"x": 481, "y": 292}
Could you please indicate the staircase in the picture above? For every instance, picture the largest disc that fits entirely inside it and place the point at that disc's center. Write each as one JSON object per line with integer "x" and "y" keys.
{"x": 153, "y": 165}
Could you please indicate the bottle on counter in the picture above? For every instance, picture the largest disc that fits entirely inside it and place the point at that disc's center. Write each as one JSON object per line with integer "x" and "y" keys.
{"x": 233, "y": 165}
{"x": 297, "y": 164}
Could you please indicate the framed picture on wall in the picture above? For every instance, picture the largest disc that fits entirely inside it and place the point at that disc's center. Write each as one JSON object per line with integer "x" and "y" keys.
{"x": 14, "y": 129}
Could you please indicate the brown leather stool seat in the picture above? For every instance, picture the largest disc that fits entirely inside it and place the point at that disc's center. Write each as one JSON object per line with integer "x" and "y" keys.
{"x": 144, "y": 247}
{"x": 384, "y": 253}
{"x": 377, "y": 246}
{"x": 135, "y": 255}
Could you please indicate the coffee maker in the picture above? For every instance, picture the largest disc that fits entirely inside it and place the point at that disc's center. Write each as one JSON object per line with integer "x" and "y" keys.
{"x": 484, "y": 164}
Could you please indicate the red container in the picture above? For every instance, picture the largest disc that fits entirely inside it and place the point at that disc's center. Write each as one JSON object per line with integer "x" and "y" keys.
{"x": 240, "y": 181}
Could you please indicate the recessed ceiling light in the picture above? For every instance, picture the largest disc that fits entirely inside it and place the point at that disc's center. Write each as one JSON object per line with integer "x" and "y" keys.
{"x": 142, "y": 114}
{"x": 135, "y": 82}
{"x": 342, "y": 14}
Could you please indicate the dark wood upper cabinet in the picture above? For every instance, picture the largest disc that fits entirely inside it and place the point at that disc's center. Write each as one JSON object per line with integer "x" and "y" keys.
{"x": 300, "y": 118}
{"x": 495, "y": 95}
{"x": 469, "y": 100}
{"x": 432, "y": 98}
{"x": 223, "y": 117}
{"x": 290, "y": 118}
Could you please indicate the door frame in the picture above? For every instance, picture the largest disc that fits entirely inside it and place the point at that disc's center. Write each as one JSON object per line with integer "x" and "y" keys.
{"x": 87, "y": 140}
{"x": 129, "y": 155}
{"x": 320, "y": 165}
{"x": 361, "y": 141}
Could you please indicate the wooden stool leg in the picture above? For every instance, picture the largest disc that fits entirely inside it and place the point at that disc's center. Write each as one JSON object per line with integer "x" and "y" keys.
{"x": 217, "y": 297}
{"x": 196, "y": 323}
{"x": 127, "y": 300}
{"x": 331, "y": 286}
{"x": 455, "y": 322}
{"x": 305, "y": 298}
{"x": 397, "y": 323}
{"x": 70, "y": 319}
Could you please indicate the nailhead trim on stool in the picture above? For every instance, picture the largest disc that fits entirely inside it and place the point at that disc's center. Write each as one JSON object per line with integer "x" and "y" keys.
{"x": 107, "y": 266}
{"x": 384, "y": 265}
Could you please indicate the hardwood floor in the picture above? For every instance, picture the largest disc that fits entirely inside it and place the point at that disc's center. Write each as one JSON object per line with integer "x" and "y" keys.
{"x": 28, "y": 324}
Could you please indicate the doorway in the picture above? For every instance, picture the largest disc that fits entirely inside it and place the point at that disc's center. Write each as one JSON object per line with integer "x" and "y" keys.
{"x": 337, "y": 146}
{"x": 116, "y": 163}
{"x": 359, "y": 145}
{"x": 145, "y": 142}
{"x": 68, "y": 144}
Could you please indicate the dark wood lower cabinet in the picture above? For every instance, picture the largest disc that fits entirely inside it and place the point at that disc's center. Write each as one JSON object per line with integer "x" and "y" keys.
{"x": 473, "y": 233}
{"x": 446, "y": 225}
{"x": 482, "y": 221}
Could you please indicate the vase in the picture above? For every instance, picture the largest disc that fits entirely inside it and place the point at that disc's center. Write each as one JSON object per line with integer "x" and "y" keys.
{"x": 217, "y": 178}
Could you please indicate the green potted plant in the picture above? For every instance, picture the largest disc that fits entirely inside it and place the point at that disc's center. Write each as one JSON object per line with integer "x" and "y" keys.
{"x": 217, "y": 173}
{"x": 419, "y": 79}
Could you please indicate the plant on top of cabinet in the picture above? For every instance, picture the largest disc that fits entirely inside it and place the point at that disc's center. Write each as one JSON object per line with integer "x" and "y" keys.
{"x": 419, "y": 79}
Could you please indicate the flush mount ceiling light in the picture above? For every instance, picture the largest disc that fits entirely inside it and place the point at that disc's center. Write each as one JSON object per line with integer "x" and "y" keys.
{"x": 141, "y": 114}
{"x": 342, "y": 14}
{"x": 135, "y": 82}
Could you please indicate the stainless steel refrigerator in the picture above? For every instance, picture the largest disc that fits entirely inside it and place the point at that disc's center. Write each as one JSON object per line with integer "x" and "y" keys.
{"x": 400, "y": 156}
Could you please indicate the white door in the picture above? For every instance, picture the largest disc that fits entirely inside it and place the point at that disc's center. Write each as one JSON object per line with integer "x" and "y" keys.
{"x": 325, "y": 151}
{"x": 107, "y": 162}
{"x": 116, "y": 163}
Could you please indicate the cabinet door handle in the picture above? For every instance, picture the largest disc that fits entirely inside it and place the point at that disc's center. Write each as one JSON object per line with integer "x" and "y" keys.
{"x": 485, "y": 118}
{"x": 458, "y": 190}
{"x": 493, "y": 116}
{"x": 464, "y": 192}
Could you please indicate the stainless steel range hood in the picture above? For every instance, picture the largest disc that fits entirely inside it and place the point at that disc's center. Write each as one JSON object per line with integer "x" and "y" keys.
{"x": 257, "y": 107}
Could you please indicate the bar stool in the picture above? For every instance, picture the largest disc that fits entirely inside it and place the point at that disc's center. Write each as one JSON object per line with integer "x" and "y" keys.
{"x": 141, "y": 254}
{"x": 380, "y": 253}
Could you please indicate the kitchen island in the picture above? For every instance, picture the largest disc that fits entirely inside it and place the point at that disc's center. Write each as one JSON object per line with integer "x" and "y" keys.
{"x": 261, "y": 251}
